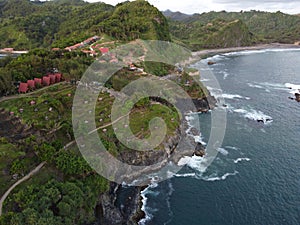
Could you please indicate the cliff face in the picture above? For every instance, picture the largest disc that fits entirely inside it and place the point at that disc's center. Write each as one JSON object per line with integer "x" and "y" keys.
{"x": 122, "y": 205}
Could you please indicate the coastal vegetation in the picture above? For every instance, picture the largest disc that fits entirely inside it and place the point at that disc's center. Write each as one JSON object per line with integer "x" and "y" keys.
{"x": 28, "y": 24}
{"x": 233, "y": 29}
{"x": 38, "y": 124}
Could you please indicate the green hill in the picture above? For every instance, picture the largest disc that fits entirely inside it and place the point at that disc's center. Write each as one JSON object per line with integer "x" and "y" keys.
{"x": 27, "y": 25}
{"x": 215, "y": 34}
{"x": 263, "y": 27}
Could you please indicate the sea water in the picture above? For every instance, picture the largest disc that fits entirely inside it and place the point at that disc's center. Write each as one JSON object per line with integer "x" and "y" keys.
{"x": 255, "y": 178}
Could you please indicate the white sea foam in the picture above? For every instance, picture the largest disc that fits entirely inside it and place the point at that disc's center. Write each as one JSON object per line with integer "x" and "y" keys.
{"x": 217, "y": 93}
{"x": 258, "y": 86}
{"x": 214, "y": 58}
{"x": 233, "y": 96}
{"x": 241, "y": 159}
{"x": 216, "y": 178}
{"x": 246, "y": 52}
{"x": 144, "y": 208}
{"x": 171, "y": 190}
{"x": 232, "y": 147}
{"x": 225, "y": 75}
{"x": 274, "y": 86}
{"x": 204, "y": 80}
{"x": 223, "y": 151}
{"x": 199, "y": 139}
{"x": 295, "y": 88}
{"x": 185, "y": 175}
{"x": 251, "y": 52}
{"x": 194, "y": 162}
{"x": 254, "y": 115}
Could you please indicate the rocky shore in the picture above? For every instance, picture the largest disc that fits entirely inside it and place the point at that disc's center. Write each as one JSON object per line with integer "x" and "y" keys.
{"x": 109, "y": 210}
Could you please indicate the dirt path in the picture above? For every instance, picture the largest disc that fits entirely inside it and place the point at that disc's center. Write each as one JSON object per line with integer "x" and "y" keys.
{"x": 29, "y": 94}
{"x": 34, "y": 171}
{"x": 102, "y": 127}
{"x": 109, "y": 124}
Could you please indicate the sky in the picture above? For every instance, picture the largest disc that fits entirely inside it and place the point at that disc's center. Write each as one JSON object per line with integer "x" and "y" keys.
{"x": 199, "y": 6}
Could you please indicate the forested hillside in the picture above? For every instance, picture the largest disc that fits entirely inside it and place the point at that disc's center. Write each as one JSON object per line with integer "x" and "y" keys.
{"x": 255, "y": 27}
{"x": 41, "y": 26}
{"x": 27, "y": 25}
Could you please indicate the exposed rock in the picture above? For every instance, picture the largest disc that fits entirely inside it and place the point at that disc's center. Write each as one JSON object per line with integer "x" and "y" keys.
{"x": 205, "y": 104}
{"x": 200, "y": 150}
{"x": 297, "y": 95}
{"x": 120, "y": 206}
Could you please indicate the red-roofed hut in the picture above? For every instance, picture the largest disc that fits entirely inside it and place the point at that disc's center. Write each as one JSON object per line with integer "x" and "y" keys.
{"x": 23, "y": 88}
{"x": 52, "y": 78}
{"x": 38, "y": 82}
{"x": 104, "y": 50}
{"x": 31, "y": 84}
{"x": 58, "y": 77}
{"x": 46, "y": 81}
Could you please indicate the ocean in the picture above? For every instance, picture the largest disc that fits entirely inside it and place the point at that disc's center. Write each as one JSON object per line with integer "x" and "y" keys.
{"x": 255, "y": 178}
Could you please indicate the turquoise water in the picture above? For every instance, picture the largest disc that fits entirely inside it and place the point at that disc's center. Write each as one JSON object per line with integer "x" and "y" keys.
{"x": 255, "y": 178}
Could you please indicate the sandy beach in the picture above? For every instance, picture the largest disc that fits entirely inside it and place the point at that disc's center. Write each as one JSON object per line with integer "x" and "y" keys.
{"x": 236, "y": 49}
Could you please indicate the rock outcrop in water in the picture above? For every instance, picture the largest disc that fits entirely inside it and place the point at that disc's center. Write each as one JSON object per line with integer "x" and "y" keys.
{"x": 200, "y": 150}
{"x": 109, "y": 211}
{"x": 297, "y": 95}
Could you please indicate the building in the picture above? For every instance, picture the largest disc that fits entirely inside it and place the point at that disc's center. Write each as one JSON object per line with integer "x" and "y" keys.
{"x": 23, "y": 87}
{"x": 52, "y": 78}
{"x": 7, "y": 49}
{"x": 104, "y": 50}
{"x": 31, "y": 84}
{"x": 37, "y": 82}
{"x": 58, "y": 77}
{"x": 46, "y": 81}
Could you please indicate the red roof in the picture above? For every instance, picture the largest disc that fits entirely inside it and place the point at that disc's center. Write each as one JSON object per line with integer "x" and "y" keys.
{"x": 58, "y": 77}
{"x": 31, "y": 83}
{"x": 46, "y": 81}
{"x": 38, "y": 81}
{"x": 23, "y": 88}
{"x": 104, "y": 50}
{"x": 52, "y": 78}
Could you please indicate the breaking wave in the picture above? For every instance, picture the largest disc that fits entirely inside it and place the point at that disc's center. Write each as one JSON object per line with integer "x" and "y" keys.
{"x": 255, "y": 115}
{"x": 217, "y": 178}
{"x": 241, "y": 159}
{"x": 148, "y": 211}
{"x": 295, "y": 88}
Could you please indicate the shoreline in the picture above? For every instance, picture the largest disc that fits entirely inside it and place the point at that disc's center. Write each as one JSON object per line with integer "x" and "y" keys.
{"x": 210, "y": 52}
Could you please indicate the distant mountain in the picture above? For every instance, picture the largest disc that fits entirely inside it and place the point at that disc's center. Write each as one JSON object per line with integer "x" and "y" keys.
{"x": 176, "y": 16}
{"x": 206, "y": 29}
